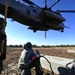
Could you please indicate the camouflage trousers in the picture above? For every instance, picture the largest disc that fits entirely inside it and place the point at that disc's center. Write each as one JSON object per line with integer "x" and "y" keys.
{"x": 35, "y": 64}
{"x": 1, "y": 65}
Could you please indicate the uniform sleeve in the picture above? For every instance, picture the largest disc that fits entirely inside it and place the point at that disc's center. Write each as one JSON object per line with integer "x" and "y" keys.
{"x": 3, "y": 37}
{"x": 28, "y": 56}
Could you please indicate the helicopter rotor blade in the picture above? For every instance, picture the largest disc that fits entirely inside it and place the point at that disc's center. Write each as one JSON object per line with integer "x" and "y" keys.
{"x": 45, "y": 3}
{"x": 66, "y": 11}
{"x": 67, "y": 27}
{"x": 54, "y": 3}
{"x": 29, "y": 2}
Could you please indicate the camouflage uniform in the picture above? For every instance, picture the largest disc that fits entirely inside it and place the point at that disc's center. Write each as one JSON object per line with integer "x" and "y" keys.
{"x": 26, "y": 63}
{"x": 2, "y": 37}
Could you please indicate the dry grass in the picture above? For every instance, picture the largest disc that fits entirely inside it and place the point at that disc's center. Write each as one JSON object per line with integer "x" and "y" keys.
{"x": 10, "y": 64}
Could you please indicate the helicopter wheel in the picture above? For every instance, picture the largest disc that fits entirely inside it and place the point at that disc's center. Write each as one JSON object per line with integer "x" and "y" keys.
{"x": 62, "y": 30}
{"x": 34, "y": 31}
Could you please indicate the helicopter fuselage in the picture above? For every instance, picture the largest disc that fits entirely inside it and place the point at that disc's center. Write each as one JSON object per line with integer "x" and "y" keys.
{"x": 34, "y": 17}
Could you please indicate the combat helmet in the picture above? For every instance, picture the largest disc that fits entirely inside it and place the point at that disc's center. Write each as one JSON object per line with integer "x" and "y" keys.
{"x": 28, "y": 45}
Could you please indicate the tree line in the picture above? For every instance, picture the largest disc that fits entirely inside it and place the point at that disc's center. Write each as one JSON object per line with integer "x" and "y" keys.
{"x": 44, "y": 46}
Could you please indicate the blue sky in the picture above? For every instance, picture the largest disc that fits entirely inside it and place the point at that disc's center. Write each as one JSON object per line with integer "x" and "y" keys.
{"x": 19, "y": 34}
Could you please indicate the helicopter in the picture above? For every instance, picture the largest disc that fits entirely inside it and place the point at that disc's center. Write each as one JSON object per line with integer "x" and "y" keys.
{"x": 36, "y": 18}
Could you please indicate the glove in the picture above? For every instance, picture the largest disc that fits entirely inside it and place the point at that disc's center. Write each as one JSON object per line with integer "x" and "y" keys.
{"x": 3, "y": 36}
{"x": 33, "y": 58}
{"x": 37, "y": 55}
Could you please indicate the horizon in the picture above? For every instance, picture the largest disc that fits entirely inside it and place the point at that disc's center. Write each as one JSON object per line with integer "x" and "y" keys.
{"x": 19, "y": 34}
{"x": 42, "y": 45}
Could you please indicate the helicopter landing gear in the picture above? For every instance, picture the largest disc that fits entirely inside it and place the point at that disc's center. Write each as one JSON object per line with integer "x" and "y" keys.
{"x": 62, "y": 30}
{"x": 45, "y": 34}
{"x": 34, "y": 31}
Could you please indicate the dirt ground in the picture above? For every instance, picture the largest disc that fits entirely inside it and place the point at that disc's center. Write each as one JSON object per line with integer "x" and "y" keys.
{"x": 13, "y": 55}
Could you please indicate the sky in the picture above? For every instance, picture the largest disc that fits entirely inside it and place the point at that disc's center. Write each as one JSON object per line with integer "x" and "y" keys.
{"x": 19, "y": 34}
